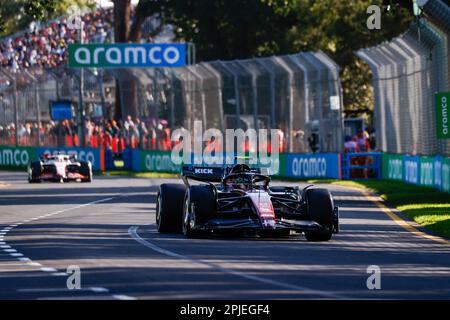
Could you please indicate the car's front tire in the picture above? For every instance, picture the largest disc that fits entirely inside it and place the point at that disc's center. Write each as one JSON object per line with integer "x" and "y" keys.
{"x": 319, "y": 208}
{"x": 86, "y": 171}
{"x": 34, "y": 171}
{"x": 169, "y": 207}
{"x": 199, "y": 206}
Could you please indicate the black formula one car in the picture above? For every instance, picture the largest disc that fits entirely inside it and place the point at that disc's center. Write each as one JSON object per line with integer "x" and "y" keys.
{"x": 239, "y": 198}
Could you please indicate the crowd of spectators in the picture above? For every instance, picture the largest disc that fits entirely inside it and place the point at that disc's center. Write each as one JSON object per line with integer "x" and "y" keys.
{"x": 47, "y": 46}
{"x": 113, "y": 135}
{"x": 363, "y": 141}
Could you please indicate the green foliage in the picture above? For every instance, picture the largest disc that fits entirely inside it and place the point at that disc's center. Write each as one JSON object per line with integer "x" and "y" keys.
{"x": 232, "y": 29}
{"x": 39, "y": 10}
{"x": 18, "y": 14}
{"x": 426, "y": 206}
{"x": 238, "y": 29}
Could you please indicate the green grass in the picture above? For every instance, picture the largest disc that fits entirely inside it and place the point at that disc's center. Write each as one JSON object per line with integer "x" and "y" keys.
{"x": 426, "y": 206}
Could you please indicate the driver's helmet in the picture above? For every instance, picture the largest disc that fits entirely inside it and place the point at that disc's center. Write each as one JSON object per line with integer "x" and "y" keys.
{"x": 241, "y": 183}
{"x": 238, "y": 168}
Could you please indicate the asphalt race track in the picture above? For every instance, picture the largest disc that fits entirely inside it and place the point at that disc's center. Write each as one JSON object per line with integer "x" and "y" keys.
{"x": 107, "y": 229}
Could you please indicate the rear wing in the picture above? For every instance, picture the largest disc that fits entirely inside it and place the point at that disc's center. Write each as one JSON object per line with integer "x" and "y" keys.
{"x": 207, "y": 174}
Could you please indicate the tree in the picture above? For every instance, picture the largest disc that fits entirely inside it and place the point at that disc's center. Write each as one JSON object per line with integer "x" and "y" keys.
{"x": 236, "y": 29}
{"x": 17, "y": 15}
{"x": 231, "y": 29}
{"x": 128, "y": 30}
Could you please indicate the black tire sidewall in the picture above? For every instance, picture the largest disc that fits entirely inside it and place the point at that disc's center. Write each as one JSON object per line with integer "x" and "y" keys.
{"x": 205, "y": 204}
{"x": 36, "y": 170}
{"x": 203, "y": 201}
{"x": 319, "y": 208}
{"x": 86, "y": 170}
{"x": 169, "y": 207}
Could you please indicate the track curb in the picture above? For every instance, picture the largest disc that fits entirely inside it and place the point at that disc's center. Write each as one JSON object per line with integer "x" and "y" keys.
{"x": 398, "y": 217}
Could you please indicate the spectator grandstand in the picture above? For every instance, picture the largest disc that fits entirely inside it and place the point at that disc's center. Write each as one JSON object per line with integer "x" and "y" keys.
{"x": 46, "y": 46}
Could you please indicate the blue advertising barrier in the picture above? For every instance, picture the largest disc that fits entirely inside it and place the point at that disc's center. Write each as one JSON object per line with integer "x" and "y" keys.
{"x": 319, "y": 165}
{"x": 437, "y": 163}
{"x": 122, "y": 162}
{"x": 411, "y": 172}
{"x": 420, "y": 170}
{"x": 361, "y": 165}
{"x": 87, "y": 154}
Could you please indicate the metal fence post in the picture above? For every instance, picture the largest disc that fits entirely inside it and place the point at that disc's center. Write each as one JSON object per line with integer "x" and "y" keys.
{"x": 291, "y": 99}
{"x": 172, "y": 100}
{"x": 191, "y": 70}
{"x": 305, "y": 86}
{"x": 80, "y": 114}
{"x": 219, "y": 92}
{"x": 254, "y": 93}
{"x": 38, "y": 114}
{"x": 16, "y": 113}
{"x": 236, "y": 92}
{"x": 272, "y": 92}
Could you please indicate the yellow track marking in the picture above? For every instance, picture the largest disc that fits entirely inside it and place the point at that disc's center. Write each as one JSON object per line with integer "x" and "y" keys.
{"x": 402, "y": 223}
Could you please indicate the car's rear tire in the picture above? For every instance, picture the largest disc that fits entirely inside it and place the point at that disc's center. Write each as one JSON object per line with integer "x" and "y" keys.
{"x": 86, "y": 171}
{"x": 319, "y": 208}
{"x": 169, "y": 207}
{"x": 199, "y": 206}
{"x": 34, "y": 172}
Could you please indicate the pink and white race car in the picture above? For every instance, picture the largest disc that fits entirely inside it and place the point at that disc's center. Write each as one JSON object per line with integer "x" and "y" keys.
{"x": 239, "y": 198}
{"x": 59, "y": 168}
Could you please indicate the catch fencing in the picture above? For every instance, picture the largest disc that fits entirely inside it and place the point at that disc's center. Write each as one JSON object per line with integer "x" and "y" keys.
{"x": 298, "y": 94}
{"x": 406, "y": 74}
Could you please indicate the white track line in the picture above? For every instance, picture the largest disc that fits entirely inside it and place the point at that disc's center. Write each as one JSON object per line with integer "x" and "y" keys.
{"x": 92, "y": 289}
{"x": 16, "y": 254}
{"x": 53, "y": 271}
{"x": 123, "y": 297}
{"x": 98, "y": 289}
{"x": 25, "y": 259}
{"x": 132, "y": 231}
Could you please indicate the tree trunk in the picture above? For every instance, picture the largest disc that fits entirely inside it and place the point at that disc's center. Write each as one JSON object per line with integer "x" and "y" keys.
{"x": 126, "y": 90}
{"x": 122, "y": 13}
{"x": 135, "y": 31}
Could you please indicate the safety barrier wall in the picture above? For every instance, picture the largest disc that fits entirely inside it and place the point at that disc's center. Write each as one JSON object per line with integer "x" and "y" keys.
{"x": 420, "y": 170}
{"x": 16, "y": 157}
{"x": 20, "y": 157}
{"x": 317, "y": 165}
{"x": 407, "y": 72}
{"x": 298, "y": 94}
{"x": 157, "y": 161}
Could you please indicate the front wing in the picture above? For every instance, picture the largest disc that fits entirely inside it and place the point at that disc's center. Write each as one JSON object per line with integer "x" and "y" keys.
{"x": 280, "y": 224}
